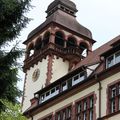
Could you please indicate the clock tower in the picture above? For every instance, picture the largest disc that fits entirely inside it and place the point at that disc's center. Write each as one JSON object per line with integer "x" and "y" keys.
{"x": 54, "y": 48}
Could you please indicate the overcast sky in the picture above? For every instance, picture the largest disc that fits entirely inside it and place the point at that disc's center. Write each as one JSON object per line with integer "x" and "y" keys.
{"x": 102, "y": 17}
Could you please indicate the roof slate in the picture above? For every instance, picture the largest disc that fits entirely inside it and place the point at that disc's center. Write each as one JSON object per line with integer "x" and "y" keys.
{"x": 95, "y": 56}
{"x": 65, "y": 20}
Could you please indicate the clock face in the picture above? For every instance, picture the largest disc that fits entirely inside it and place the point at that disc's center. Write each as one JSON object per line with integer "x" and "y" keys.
{"x": 36, "y": 75}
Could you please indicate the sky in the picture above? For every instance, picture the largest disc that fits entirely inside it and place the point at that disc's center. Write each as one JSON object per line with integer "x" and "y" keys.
{"x": 102, "y": 17}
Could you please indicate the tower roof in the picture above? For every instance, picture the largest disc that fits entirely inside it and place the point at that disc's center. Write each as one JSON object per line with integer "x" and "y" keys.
{"x": 63, "y": 18}
{"x": 66, "y": 3}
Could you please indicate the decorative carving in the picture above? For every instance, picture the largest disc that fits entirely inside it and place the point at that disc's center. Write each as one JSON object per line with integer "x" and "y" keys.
{"x": 69, "y": 54}
{"x": 35, "y": 75}
{"x": 49, "y": 69}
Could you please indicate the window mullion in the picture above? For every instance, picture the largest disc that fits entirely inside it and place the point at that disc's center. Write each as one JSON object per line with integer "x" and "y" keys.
{"x": 114, "y": 59}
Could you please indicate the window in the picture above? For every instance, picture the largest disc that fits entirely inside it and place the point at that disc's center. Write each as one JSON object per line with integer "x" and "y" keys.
{"x": 82, "y": 76}
{"x": 85, "y": 108}
{"x": 59, "y": 38}
{"x": 78, "y": 78}
{"x": 113, "y": 59}
{"x": 30, "y": 49}
{"x": 38, "y": 43}
{"x": 75, "y": 79}
{"x": 49, "y": 94}
{"x": 53, "y": 90}
{"x": 46, "y": 39}
{"x": 114, "y": 98}
{"x": 84, "y": 48}
{"x": 110, "y": 61}
{"x": 71, "y": 42}
{"x": 117, "y": 57}
{"x": 64, "y": 114}
{"x": 64, "y": 86}
{"x": 42, "y": 98}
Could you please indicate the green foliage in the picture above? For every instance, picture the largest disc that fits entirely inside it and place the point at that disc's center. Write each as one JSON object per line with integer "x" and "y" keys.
{"x": 12, "y": 18}
{"x": 12, "y": 112}
{"x": 12, "y": 21}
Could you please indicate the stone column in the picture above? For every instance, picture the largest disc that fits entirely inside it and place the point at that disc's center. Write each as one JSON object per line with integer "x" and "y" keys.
{"x": 52, "y": 38}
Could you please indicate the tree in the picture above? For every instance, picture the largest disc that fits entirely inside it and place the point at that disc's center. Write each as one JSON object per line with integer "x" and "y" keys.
{"x": 12, "y": 112}
{"x": 12, "y": 21}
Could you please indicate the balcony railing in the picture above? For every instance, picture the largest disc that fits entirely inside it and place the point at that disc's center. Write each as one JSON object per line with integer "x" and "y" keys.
{"x": 56, "y": 49}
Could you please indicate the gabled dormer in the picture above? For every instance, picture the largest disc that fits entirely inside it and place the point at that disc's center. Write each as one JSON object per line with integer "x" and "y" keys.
{"x": 112, "y": 56}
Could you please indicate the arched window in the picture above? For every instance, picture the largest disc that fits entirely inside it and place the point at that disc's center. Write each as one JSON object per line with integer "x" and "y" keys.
{"x": 30, "y": 50}
{"x": 84, "y": 48}
{"x": 71, "y": 42}
{"x": 59, "y": 38}
{"x": 38, "y": 44}
{"x": 46, "y": 38}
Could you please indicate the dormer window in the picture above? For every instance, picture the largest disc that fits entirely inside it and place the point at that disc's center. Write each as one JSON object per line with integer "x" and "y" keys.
{"x": 78, "y": 78}
{"x": 113, "y": 59}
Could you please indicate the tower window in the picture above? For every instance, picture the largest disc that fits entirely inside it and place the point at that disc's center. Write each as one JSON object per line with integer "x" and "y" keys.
{"x": 30, "y": 49}
{"x": 59, "y": 39}
{"x": 46, "y": 38}
{"x": 71, "y": 42}
{"x": 38, "y": 44}
{"x": 83, "y": 47}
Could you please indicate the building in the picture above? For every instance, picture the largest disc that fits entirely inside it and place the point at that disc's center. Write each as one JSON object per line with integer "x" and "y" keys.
{"x": 65, "y": 79}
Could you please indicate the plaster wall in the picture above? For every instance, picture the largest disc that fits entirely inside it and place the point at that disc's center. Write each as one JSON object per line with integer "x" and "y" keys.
{"x": 59, "y": 68}
{"x": 69, "y": 100}
{"x": 83, "y": 93}
{"x": 30, "y": 86}
{"x": 104, "y": 93}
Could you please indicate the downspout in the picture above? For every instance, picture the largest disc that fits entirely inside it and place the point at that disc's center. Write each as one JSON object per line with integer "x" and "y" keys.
{"x": 99, "y": 89}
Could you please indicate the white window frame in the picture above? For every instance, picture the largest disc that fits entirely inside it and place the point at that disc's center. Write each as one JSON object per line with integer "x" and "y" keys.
{"x": 80, "y": 78}
{"x": 114, "y": 59}
{"x": 64, "y": 87}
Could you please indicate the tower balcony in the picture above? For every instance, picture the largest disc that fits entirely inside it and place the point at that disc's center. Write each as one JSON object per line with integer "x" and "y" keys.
{"x": 72, "y": 54}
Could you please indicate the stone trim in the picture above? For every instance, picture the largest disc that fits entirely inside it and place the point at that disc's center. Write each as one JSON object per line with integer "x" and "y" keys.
{"x": 49, "y": 69}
